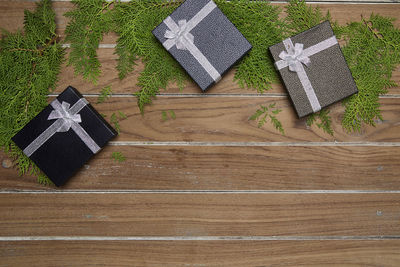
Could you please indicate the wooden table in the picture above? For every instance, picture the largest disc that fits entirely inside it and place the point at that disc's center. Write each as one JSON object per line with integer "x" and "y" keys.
{"x": 210, "y": 188}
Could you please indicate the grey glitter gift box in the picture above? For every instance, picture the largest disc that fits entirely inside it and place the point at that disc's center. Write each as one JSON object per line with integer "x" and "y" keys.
{"x": 313, "y": 69}
{"x": 202, "y": 39}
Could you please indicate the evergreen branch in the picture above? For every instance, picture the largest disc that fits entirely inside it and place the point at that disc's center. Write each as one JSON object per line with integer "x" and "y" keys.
{"x": 105, "y": 93}
{"x": 259, "y": 22}
{"x": 264, "y": 112}
{"x": 165, "y": 117}
{"x": 118, "y": 156}
{"x": 135, "y": 21}
{"x": 89, "y": 22}
{"x": 24, "y": 49}
{"x": 372, "y": 52}
{"x": 172, "y": 114}
{"x": 301, "y": 16}
{"x": 116, "y": 118}
{"x": 325, "y": 121}
{"x": 115, "y": 122}
{"x": 29, "y": 67}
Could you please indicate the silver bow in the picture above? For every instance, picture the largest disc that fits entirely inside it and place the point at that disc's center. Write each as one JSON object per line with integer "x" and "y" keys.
{"x": 66, "y": 118}
{"x": 295, "y": 56}
{"x": 64, "y": 112}
{"x": 180, "y": 35}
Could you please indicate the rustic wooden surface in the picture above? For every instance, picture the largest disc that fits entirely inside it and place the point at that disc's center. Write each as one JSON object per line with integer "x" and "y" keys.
{"x": 210, "y": 188}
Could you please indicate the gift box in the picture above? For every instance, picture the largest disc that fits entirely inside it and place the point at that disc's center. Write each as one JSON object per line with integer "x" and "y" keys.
{"x": 313, "y": 69}
{"x": 202, "y": 39}
{"x": 64, "y": 136}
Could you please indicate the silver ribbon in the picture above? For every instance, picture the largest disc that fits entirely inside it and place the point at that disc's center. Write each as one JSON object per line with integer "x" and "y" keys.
{"x": 295, "y": 57}
{"x": 66, "y": 118}
{"x": 179, "y": 35}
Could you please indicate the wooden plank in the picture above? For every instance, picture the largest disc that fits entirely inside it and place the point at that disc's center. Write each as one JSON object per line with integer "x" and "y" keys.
{"x": 150, "y": 214}
{"x": 226, "y": 119}
{"x": 201, "y": 253}
{"x": 12, "y": 18}
{"x": 230, "y": 168}
{"x": 128, "y": 85}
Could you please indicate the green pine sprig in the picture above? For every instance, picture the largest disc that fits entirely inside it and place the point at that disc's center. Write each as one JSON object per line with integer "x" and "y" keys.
{"x": 30, "y": 63}
{"x": 118, "y": 156}
{"x": 115, "y": 118}
{"x": 324, "y": 120}
{"x": 134, "y": 22}
{"x": 165, "y": 116}
{"x": 372, "y": 52}
{"x": 301, "y": 16}
{"x": 260, "y": 23}
{"x": 268, "y": 112}
{"x": 85, "y": 30}
{"x": 105, "y": 93}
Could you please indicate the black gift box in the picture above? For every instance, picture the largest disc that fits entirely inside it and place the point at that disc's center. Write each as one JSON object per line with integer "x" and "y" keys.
{"x": 327, "y": 71}
{"x": 214, "y": 36}
{"x": 64, "y": 152}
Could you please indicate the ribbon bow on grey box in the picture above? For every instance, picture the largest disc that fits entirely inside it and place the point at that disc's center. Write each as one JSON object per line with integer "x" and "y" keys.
{"x": 313, "y": 69}
{"x": 201, "y": 38}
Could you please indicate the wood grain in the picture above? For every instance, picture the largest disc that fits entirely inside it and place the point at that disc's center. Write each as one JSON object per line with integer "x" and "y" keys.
{"x": 201, "y": 253}
{"x": 212, "y": 117}
{"x": 226, "y": 119}
{"x": 230, "y": 168}
{"x": 128, "y": 85}
{"x": 199, "y": 214}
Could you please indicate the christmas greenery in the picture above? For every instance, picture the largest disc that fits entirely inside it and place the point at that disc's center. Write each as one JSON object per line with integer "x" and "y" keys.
{"x": 266, "y": 112}
{"x": 324, "y": 123}
{"x": 372, "y": 52}
{"x": 115, "y": 118}
{"x": 30, "y": 61}
{"x": 374, "y": 42}
{"x": 105, "y": 93}
{"x": 165, "y": 116}
{"x": 118, "y": 156}
{"x": 89, "y": 22}
{"x": 134, "y": 22}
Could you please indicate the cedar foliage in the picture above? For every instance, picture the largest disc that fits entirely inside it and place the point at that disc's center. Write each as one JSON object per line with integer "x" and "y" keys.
{"x": 265, "y": 112}
{"x": 134, "y": 22}
{"x": 372, "y": 52}
{"x": 29, "y": 65}
{"x": 89, "y": 22}
{"x": 105, "y": 93}
{"x": 118, "y": 156}
{"x": 30, "y": 61}
{"x": 259, "y": 22}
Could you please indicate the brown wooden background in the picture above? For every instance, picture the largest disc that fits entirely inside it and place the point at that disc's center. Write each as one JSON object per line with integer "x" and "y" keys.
{"x": 210, "y": 188}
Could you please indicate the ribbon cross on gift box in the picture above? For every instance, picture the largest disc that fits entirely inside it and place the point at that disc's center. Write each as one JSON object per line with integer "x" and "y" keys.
{"x": 66, "y": 118}
{"x": 295, "y": 57}
{"x": 179, "y": 35}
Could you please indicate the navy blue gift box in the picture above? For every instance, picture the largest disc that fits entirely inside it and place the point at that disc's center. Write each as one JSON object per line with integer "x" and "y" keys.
{"x": 202, "y": 39}
{"x": 64, "y": 136}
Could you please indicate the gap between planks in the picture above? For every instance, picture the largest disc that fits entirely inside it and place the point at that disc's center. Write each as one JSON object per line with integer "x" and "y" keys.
{"x": 127, "y": 191}
{"x": 194, "y": 238}
{"x": 285, "y": 2}
{"x": 205, "y": 95}
{"x": 256, "y": 144}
